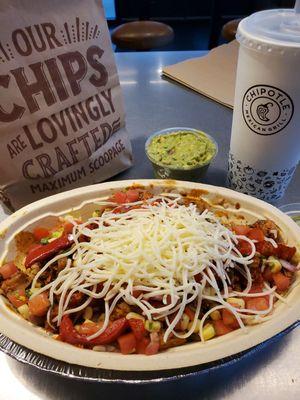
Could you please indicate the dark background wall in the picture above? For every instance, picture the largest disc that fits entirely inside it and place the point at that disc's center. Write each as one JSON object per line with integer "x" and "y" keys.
{"x": 197, "y": 24}
{"x": 191, "y": 9}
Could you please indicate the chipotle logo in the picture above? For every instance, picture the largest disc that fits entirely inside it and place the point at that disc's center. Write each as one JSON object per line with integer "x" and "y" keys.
{"x": 266, "y": 109}
{"x": 60, "y": 98}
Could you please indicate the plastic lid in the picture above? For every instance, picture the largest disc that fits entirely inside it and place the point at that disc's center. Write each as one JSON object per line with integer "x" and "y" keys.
{"x": 280, "y": 27}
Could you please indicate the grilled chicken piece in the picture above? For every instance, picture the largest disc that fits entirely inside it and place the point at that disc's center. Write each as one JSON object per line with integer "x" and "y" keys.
{"x": 120, "y": 311}
{"x": 200, "y": 203}
{"x": 61, "y": 263}
{"x": 256, "y": 261}
{"x": 269, "y": 228}
{"x": 17, "y": 281}
{"x": 76, "y": 299}
{"x": 171, "y": 342}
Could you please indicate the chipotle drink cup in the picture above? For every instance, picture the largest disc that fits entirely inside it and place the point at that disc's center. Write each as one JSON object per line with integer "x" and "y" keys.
{"x": 265, "y": 137}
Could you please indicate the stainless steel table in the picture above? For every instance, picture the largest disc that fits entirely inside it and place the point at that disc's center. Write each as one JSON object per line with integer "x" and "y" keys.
{"x": 269, "y": 374}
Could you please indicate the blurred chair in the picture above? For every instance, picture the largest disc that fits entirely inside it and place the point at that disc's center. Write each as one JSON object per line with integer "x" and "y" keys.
{"x": 142, "y": 35}
{"x": 229, "y": 29}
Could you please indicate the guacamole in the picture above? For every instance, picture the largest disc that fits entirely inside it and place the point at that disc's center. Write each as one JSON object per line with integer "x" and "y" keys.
{"x": 181, "y": 149}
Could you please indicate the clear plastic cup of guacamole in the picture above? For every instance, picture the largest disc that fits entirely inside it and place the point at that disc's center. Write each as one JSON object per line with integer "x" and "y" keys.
{"x": 180, "y": 153}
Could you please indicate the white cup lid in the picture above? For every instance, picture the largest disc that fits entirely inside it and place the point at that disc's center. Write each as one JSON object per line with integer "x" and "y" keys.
{"x": 280, "y": 27}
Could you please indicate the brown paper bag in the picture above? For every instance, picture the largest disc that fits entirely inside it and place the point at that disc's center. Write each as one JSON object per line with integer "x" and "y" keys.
{"x": 61, "y": 115}
{"x": 212, "y": 75}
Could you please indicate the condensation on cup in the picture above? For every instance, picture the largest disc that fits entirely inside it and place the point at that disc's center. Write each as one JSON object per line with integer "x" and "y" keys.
{"x": 265, "y": 137}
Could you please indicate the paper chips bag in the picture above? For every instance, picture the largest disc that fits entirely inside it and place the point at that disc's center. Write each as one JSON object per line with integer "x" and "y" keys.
{"x": 62, "y": 121}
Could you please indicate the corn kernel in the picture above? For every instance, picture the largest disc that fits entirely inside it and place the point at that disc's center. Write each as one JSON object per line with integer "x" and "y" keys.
{"x": 86, "y": 322}
{"x": 67, "y": 218}
{"x": 110, "y": 348}
{"x": 251, "y": 320}
{"x": 24, "y": 311}
{"x": 274, "y": 264}
{"x": 236, "y": 302}
{"x": 34, "y": 291}
{"x": 88, "y": 313}
{"x": 99, "y": 348}
{"x": 197, "y": 326}
{"x": 208, "y": 331}
{"x": 215, "y": 315}
{"x": 133, "y": 315}
{"x": 152, "y": 326}
{"x": 184, "y": 322}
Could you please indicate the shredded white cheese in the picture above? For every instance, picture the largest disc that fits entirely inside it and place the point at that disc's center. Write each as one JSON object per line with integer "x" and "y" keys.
{"x": 164, "y": 249}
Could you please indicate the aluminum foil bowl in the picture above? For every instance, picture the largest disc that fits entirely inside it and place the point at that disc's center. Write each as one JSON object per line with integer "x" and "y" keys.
{"x": 99, "y": 375}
